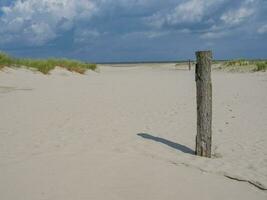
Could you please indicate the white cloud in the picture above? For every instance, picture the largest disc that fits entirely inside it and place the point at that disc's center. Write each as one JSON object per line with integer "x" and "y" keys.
{"x": 85, "y": 35}
{"x": 262, "y": 29}
{"x": 145, "y": 34}
{"x": 126, "y": 3}
{"x": 39, "y": 33}
{"x": 231, "y": 20}
{"x": 235, "y": 17}
{"x": 38, "y": 21}
{"x": 191, "y": 11}
{"x": 213, "y": 35}
{"x": 207, "y": 18}
{"x": 155, "y": 34}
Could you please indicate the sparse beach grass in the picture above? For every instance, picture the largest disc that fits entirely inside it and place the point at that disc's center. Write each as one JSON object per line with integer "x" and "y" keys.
{"x": 261, "y": 66}
{"x": 45, "y": 65}
{"x": 242, "y": 65}
{"x": 5, "y": 60}
{"x": 239, "y": 65}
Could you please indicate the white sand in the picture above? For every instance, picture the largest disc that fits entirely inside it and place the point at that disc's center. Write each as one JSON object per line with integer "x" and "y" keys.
{"x": 74, "y": 137}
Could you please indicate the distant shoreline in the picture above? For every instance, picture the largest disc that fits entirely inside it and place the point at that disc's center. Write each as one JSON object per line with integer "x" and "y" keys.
{"x": 162, "y": 62}
{"x": 142, "y": 62}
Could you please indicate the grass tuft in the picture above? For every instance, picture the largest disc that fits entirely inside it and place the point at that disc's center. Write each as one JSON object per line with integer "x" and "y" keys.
{"x": 261, "y": 66}
{"x": 5, "y": 60}
{"x": 239, "y": 62}
{"x": 242, "y": 65}
{"x": 46, "y": 65}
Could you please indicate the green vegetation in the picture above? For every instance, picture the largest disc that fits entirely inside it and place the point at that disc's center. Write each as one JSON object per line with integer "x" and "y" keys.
{"x": 244, "y": 65}
{"x": 261, "y": 66}
{"x": 240, "y": 62}
{"x": 5, "y": 60}
{"x": 45, "y": 66}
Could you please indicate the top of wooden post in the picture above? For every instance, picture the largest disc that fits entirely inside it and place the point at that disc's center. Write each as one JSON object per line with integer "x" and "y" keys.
{"x": 203, "y": 65}
{"x": 206, "y": 54}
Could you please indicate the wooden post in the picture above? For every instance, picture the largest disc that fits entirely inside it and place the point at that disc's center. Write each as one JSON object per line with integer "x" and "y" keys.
{"x": 189, "y": 64}
{"x": 204, "y": 103}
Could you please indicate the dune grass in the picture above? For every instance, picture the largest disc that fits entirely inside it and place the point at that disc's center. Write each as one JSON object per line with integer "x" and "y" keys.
{"x": 261, "y": 66}
{"x": 5, "y": 60}
{"x": 240, "y": 62}
{"x": 45, "y": 65}
{"x": 245, "y": 65}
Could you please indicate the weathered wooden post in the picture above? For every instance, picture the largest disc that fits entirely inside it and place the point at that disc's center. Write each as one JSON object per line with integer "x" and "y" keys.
{"x": 204, "y": 103}
{"x": 189, "y": 64}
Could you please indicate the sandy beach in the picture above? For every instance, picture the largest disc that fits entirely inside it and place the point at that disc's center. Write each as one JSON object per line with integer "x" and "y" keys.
{"x": 128, "y": 133}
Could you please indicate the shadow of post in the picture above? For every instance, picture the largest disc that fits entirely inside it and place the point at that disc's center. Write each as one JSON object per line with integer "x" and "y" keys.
{"x": 169, "y": 143}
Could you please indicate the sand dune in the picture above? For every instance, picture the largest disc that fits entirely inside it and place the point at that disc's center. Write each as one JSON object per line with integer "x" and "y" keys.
{"x": 129, "y": 133}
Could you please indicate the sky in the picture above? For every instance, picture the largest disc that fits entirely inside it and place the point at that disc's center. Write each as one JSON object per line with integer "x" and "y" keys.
{"x": 133, "y": 30}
